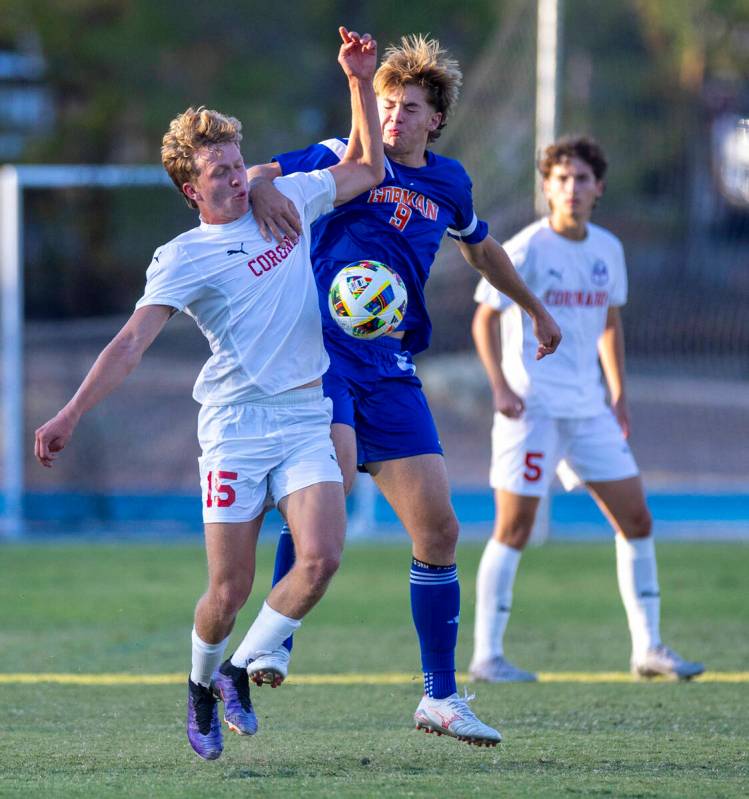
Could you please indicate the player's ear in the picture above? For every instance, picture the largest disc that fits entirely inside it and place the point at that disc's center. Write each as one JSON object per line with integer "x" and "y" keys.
{"x": 190, "y": 191}
{"x": 434, "y": 121}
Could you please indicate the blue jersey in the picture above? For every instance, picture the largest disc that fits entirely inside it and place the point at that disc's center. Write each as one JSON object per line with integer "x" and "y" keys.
{"x": 400, "y": 223}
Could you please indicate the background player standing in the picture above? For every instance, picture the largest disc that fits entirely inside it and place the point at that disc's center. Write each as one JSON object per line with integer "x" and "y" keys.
{"x": 381, "y": 419}
{"x": 555, "y": 413}
{"x": 264, "y": 424}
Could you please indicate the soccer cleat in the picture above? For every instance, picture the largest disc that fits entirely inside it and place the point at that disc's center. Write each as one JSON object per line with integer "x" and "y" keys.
{"x": 270, "y": 668}
{"x": 660, "y": 661}
{"x": 231, "y": 685}
{"x": 452, "y": 716}
{"x": 203, "y": 726}
{"x": 499, "y": 670}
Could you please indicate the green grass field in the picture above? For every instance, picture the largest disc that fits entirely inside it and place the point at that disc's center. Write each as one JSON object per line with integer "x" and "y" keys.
{"x": 99, "y": 609}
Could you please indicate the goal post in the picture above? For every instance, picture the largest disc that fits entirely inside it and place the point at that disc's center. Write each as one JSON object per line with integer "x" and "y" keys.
{"x": 14, "y": 179}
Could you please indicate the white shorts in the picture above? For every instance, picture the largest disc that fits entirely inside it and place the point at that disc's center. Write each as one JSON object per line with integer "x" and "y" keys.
{"x": 264, "y": 448}
{"x": 526, "y": 452}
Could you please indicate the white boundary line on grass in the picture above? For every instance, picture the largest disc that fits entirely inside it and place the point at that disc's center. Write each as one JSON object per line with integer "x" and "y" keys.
{"x": 384, "y": 678}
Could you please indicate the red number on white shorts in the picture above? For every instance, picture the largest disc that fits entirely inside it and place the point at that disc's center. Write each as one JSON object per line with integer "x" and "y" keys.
{"x": 533, "y": 470}
{"x": 225, "y": 494}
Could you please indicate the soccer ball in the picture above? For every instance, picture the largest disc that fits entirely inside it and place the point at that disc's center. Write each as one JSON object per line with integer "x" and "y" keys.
{"x": 367, "y": 299}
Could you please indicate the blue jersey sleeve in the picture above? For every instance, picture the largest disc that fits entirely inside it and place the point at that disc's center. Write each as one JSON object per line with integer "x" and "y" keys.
{"x": 316, "y": 156}
{"x": 468, "y": 227}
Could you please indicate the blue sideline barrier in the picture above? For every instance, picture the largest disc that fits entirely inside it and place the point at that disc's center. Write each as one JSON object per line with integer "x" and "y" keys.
{"x": 572, "y": 515}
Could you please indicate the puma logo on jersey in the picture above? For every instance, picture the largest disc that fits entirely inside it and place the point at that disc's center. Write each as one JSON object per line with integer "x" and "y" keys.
{"x": 236, "y": 252}
{"x": 554, "y": 273}
{"x": 454, "y": 620}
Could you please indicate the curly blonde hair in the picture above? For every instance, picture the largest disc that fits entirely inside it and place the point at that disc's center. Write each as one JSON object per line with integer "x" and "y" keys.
{"x": 421, "y": 61}
{"x": 188, "y": 132}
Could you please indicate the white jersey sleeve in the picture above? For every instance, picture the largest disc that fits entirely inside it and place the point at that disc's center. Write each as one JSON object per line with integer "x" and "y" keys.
{"x": 171, "y": 279}
{"x": 313, "y": 193}
{"x": 618, "y": 292}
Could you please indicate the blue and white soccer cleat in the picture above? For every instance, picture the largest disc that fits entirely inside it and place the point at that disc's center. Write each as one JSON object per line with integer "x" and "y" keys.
{"x": 499, "y": 670}
{"x": 231, "y": 685}
{"x": 270, "y": 668}
{"x": 203, "y": 726}
{"x": 452, "y": 716}
{"x": 660, "y": 661}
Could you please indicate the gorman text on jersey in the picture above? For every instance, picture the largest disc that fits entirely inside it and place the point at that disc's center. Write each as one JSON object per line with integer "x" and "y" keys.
{"x": 270, "y": 258}
{"x": 397, "y": 194}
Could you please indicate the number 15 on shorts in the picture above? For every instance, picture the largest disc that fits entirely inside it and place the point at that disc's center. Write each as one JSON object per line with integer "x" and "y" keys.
{"x": 218, "y": 491}
{"x": 533, "y": 469}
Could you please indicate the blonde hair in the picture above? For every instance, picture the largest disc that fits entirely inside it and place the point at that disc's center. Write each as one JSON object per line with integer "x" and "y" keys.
{"x": 422, "y": 62}
{"x": 188, "y": 132}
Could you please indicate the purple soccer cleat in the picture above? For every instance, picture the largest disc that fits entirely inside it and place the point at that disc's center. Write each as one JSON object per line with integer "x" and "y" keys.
{"x": 203, "y": 726}
{"x": 232, "y": 685}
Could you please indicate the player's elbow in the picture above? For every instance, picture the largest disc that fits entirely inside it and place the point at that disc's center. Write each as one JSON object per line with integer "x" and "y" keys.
{"x": 378, "y": 175}
{"x": 371, "y": 174}
{"x": 125, "y": 349}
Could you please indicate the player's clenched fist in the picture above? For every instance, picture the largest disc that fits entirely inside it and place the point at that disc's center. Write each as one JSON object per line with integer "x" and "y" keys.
{"x": 51, "y": 437}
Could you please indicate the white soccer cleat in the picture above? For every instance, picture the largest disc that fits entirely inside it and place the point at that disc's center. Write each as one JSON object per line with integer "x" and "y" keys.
{"x": 270, "y": 668}
{"x": 660, "y": 661}
{"x": 499, "y": 670}
{"x": 452, "y": 716}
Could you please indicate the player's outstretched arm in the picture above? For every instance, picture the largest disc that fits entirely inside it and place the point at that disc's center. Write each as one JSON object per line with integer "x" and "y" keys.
{"x": 487, "y": 336}
{"x": 363, "y": 164}
{"x": 611, "y": 353}
{"x": 114, "y": 364}
{"x": 490, "y": 260}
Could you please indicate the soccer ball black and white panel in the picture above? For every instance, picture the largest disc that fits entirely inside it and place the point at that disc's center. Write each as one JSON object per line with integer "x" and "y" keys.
{"x": 367, "y": 299}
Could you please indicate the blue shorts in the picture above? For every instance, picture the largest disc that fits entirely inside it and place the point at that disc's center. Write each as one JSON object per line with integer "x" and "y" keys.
{"x": 375, "y": 390}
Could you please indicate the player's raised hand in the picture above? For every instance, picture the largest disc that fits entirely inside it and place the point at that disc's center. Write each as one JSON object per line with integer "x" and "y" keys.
{"x": 51, "y": 438}
{"x": 547, "y": 334}
{"x": 358, "y": 54}
{"x": 276, "y": 215}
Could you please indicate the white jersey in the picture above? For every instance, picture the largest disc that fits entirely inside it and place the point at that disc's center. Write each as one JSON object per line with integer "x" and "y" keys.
{"x": 255, "y": 302}
{"x": 577, "y": 281}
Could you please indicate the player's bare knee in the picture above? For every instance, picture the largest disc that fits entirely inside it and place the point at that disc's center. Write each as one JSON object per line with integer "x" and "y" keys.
{"x": 516, "y": 530}
{"x": 515, "y": 536}
{"x": 447, "y": 529}
{"x": 228, "y": 597}
{"x": 318, "y": 570}
{"x": 639, "y": 525}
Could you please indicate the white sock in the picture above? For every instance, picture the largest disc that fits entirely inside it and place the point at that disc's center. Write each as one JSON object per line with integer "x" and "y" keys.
{"x": 637, "y": 574}
{"x": 269, "y": 630}
{"x": 494, "y": 583}
{"x": 206, "y": 658}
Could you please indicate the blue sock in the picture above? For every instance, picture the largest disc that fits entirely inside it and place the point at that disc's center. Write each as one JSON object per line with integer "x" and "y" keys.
{"x": 435, "y": 605}
{"x": 285, "y": 557}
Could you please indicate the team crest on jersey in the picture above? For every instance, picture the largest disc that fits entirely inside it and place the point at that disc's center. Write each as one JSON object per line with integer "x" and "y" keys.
{"x": 599, "y": 273}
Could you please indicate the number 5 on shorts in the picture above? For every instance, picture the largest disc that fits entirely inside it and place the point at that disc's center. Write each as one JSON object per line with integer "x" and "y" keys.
{"x": 225, "y": 494}
{"x": 533, "y": 470}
